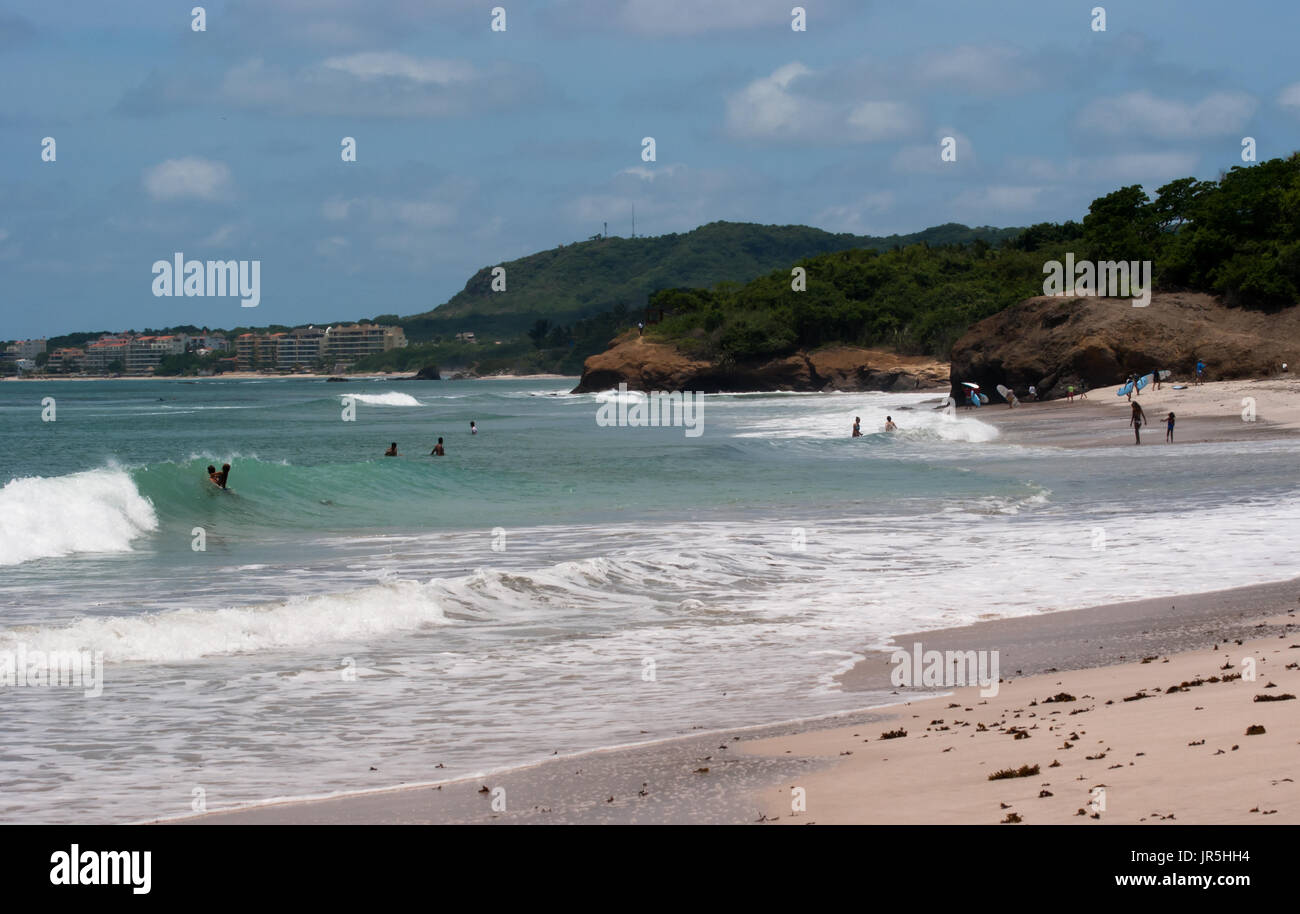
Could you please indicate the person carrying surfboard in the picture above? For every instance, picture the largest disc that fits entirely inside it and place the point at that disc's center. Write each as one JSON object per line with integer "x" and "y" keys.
{"x": 1136, "y": 420}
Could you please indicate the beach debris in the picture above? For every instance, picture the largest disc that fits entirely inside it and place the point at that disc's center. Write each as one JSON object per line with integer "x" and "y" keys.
{"x": 484, "y": 789}
{"x": 1045, "y": 793}
{"x": 1254, "y": 730}
{"x": 1055, "y": 764}
{"x": 894, "y": 734}
{"x": 1138, "y": 697}
{"x": 1059, "y": 696}
{"x": 1012, "y": 818}
{"x": 701, "y": 771}
{"x": 1285, "y": 696}
{"x": 1024, "y": 771}
{"x": 1095, "y": 758}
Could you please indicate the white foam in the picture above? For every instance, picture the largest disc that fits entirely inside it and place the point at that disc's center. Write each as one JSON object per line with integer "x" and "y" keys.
{"x": 183, "y": 635}
{"x": 620, "y": 396}
{"x": 392, "y": 398}
{"x": 94, "y": 511}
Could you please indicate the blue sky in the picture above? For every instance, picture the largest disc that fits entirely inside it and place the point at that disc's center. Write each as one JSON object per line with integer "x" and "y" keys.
{"x": 476, "y": 146}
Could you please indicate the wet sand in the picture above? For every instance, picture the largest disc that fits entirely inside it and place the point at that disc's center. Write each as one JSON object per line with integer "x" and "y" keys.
{"x": 740, "y": 776}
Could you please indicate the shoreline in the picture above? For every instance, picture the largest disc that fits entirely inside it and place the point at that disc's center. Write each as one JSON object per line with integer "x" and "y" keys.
{"x": 728, "y": 776}
{"x": 257, "y": 376}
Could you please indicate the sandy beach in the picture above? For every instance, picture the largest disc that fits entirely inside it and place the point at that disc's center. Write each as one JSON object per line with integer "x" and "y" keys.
{"x": 1213, "y": 411}
{"x": 1174, "y": 752}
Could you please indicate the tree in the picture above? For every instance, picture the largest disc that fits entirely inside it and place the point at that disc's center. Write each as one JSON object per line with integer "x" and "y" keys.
{"x": 538, "y": 332}
{"x": 115, "y": 367}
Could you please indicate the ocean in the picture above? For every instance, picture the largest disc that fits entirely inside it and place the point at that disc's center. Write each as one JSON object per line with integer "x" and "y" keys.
{"x": 551, "y": 585}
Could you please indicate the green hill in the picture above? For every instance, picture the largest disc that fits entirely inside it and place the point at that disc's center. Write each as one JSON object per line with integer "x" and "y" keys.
{"x": 576, "y": 281}
{"x": 1237, "y": 237}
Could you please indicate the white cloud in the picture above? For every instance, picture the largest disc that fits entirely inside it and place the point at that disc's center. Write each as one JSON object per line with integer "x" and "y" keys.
{"x": 986, "y": 69}
{"x": 998, "y": 198}
{"x": 391, "y": 64}
{"x": 787, "y": 105}
{"x": 1143, "y": 114}
{"x": 219, "y": 237}
{"x": 925, "y": 158}
{"x": 679, "y": 17}
{"x": 191, "y": 176}
{"x": 416, "y": 214}
{"x": 851, "y": 217}
{"x": 1290, "y": 97}
{"x": 1139, "y": 167}
{"x": 376, "y": 84}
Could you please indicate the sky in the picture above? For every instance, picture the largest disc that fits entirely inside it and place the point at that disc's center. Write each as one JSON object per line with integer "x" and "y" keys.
{"x": 475, "y": 146}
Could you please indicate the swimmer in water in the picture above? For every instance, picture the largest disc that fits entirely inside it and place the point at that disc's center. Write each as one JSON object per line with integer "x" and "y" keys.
{"x": 392, "y": 450}
{"x": 218, "y": 479}
{"x": 857, "y": 426}
{"x": 437, "y": 450}
{"x": 889, "y": 424}
{"x": 473, "y": 429}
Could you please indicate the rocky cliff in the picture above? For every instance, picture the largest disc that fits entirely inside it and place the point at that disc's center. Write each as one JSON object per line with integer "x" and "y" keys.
{"x": 1053, "y": 342}
{"x": 646, "y": 365}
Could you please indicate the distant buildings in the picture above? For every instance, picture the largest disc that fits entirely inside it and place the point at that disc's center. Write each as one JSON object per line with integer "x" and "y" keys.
{"x": 141, "y": 354}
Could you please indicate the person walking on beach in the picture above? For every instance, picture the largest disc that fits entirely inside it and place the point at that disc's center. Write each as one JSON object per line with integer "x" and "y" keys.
{"x": 1069, "y": 394}
{"x": 1200, "y": 371}
{"x": 392, "y": 450}
{"x": 1136, "y": 420}
{"x": 1083, "y": 390}
{"x": 1033, "y": 392}
{"x": 1169, "y": 429}
{"x": 857, "y": 426}
{"x": 438, "y": 450}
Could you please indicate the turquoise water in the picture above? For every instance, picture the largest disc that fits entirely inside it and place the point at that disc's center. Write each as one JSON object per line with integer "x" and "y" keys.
{"x": 503, "y": 602}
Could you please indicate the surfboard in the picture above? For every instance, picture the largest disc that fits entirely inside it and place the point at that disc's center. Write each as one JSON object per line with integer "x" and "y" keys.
{"x": 1164, "y": 373}
{"x": 1124, "y": 390}
{"x": 1144, "y": 381}
{"x": 984, "y": 398}
{"x": 1180, "y": 387}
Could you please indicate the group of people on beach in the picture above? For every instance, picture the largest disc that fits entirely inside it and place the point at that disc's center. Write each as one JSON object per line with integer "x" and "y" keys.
{"x": 438, "y": 449}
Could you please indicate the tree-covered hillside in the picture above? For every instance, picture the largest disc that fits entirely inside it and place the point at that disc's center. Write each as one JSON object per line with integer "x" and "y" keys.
{"x": 1238, "y": 237}
{"x": 567, "y": 283}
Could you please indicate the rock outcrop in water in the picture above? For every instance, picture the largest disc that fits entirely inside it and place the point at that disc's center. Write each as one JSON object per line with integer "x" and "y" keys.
{"x": 1053, "y": 342}
{"x": 645, "y": 365}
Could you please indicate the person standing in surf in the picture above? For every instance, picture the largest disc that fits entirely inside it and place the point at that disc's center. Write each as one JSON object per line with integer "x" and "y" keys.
{"x": 438, "y": 450}
{"x": 889, "y": 424}
{"x": 392, "y": 450}
{"x": 1169, "y": 429}
{"x": 473, "y": 429}
{"x": 857, "y": 426}
{"x": 1136, "y": 421}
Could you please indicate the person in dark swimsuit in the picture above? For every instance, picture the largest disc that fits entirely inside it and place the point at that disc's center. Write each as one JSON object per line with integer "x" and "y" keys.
{"x": 219, "y": 479}
{"x": 438, "y": 450}
{"x": 1169, "y": 428}
{"x": 1136, "y": 421}
{"x": 392, "y": 450}
{"x": 857, "y": 426}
